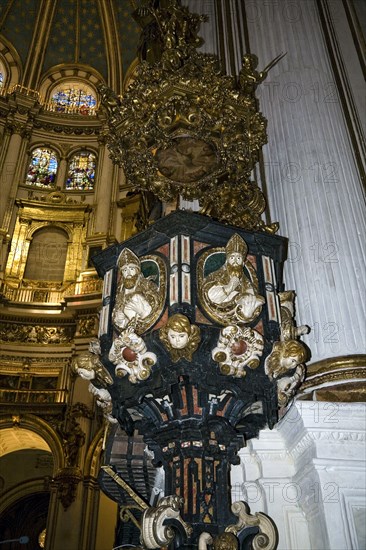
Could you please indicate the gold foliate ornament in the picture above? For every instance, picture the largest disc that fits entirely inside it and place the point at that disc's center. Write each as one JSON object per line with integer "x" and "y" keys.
{"x": 183, "y": 128}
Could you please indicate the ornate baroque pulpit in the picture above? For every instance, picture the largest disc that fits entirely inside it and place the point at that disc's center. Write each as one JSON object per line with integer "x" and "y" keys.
{"x": 198, "y": 348}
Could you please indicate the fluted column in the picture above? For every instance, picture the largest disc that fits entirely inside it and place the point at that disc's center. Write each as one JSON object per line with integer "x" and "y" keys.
{"x": 9, "y": 170}
{"x": 314, "y": 187}
{"x": 104, "y": 189}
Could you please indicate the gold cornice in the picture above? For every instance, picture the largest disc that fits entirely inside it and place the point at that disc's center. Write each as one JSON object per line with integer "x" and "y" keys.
{"x": 31, "y": 319}
{"x": 336, "y": 363}
{"x": 34, "y": 208}
{"x": 39, "y": 426}
{"x": 336, "y": 379}
{"x": 16, "y": 368}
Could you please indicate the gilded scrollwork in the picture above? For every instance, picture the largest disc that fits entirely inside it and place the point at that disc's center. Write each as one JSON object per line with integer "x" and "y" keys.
{"x": 180, "y": 337}
{"x": 88, "y": 365}
{"x": 73, "y": 439}
{"x": 287, "y": 385}
{"x": 140, "y": 299}
{"x": 87, "y": 324}
{"x": 284, "y": 358}
{"x": 66, "y": 481}
{"x": 35, "y": 334}
{"x": 237, "y": 348}
{"x": 227, "y": 294}
{"x": 224, "y": 541}
{"x": 104, "y": 401}
{"x": 249, "y": 77}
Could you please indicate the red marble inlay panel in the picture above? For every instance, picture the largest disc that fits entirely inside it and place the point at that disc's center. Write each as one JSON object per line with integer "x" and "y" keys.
{"x": 197, "y": 246}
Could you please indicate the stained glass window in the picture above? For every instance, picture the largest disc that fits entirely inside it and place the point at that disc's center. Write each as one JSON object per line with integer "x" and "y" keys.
{"x": 74, "y": 99}
{"x": 43, "y": 167}
{"x": 81, "y": 173}
{"x": 2, "y": 75}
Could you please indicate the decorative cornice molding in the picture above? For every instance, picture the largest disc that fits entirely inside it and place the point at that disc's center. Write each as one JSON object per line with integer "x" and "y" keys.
{"x": 335, "y": 363}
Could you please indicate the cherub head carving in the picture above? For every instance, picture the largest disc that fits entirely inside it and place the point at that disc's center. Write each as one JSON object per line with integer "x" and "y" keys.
{"x": 285, "y": 357}
{"x": 180, "y": 338}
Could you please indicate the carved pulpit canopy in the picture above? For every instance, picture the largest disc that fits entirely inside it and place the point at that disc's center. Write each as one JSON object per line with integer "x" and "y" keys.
{"x": 183, "y": 128}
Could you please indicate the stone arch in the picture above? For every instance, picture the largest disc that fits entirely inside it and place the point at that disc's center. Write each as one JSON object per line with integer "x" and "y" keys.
{"x": 46, "y": 144}
{"x": 58, "y": 75}
{"x": 12, "y": 63}
{"x": 77, "y": 148}
{"x": 93, "y": 456}
{"x": 40, "y": 427}
{"x": 37, "y": 226}
{"x": 25, "y": 489}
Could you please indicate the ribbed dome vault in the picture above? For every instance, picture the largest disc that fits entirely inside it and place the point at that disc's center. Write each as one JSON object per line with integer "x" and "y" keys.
{"x": 97, "y": 33}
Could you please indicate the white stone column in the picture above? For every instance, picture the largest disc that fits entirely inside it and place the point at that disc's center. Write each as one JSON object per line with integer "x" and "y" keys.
{"x": 314, "y": 187}
{"x": 308, "y": 475}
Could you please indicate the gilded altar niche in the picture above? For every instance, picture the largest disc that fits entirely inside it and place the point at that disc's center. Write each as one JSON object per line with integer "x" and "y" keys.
{"x": 59, "y": 254}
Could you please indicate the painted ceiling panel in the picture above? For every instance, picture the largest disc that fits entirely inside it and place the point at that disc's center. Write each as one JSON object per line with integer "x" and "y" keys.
{"x": 129, "y": 32}
{"x": 17, "y": 18}
{"x": 62, "y": 40}
{"x": 77, "y": 31}
{"x": 92, "y": 45}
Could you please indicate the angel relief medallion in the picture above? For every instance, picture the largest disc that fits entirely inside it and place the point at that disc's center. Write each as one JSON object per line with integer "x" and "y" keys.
{"x": 227, "y": 284}
{"x": 140, "y": 293}
{"x": 139, "y": 302}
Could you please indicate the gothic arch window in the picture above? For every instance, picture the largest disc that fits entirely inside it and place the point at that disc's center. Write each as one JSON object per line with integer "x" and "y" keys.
{"x": 42, "y": 168}
{"x": 81, "y": 173}
{"x": 73, "y": 97}
{"x": 47, "y": 255}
